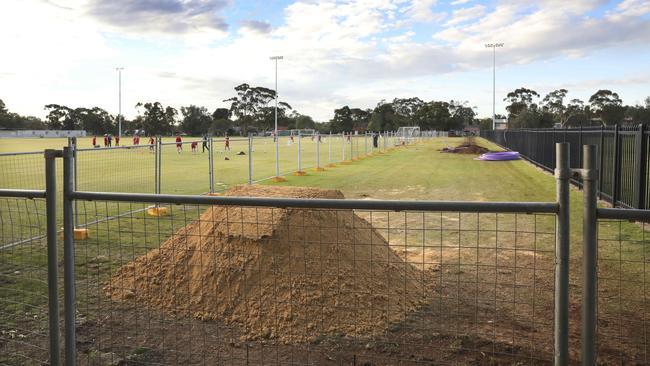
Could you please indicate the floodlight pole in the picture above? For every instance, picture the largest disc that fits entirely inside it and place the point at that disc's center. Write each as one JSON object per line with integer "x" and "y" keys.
{"x": 494, "y": 47}
{"x": 277, "y": 138}
{"x": 119, "y": 113}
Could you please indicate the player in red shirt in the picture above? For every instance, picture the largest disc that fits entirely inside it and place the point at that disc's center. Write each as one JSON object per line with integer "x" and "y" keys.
{"x": 117, "y": 140}
{"x": 179, "y": 144}
{"x": 94, "y": 141}
{"x": 135, "y": 139}
{"x": 152, "y": 142}
{"x": 194, "y": 145}
{"x": 227, "y": 143}
{"x": 105, "y": 140}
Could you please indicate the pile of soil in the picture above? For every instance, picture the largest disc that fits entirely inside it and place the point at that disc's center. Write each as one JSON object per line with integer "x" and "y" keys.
{"x": 287, "y": 274}
{"x": 465, "y": 149}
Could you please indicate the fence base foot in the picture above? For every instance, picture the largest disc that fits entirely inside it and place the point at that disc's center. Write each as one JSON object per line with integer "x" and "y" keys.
{"x": 355, "y": 159}
{"x": 79, "y": 234}
{"x": 279, "y": 179}
{"x": 346, "y": 162}
{"x": 213, "y": 194}
{"x": 158, "y": 211}
{"x": 319, "y": 169}
{"x": 330, "y": 165}
{"x": 300, "y": 173}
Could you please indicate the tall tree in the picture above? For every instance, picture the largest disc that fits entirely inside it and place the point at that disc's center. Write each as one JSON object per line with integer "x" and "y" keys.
{"x": 342, "y": 120}
{"x": 520, "y": 99}
{"x": 250, "y": 106}
{"x": 462, "y": 113}
{"x": 158, "y": 119}
{"x": 196, "y": 120}
{"x": 435, "y": 115}
{"x": 385, "y": 118}
{"x": 59, "y": 117}
{"x": 607, "y": 106}
{"x": 405, "y": 109}
{"x": 553, "y": 103}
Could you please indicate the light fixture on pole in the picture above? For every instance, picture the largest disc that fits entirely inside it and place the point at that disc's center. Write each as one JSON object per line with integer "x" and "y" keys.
{"x": 277, "y": 138}
{"x": 494, "y": 47}
{"x": 119, "y": 114}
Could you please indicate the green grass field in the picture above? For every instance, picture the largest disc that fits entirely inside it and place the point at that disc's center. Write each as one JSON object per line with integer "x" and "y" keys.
{"x": 416, "y": 172}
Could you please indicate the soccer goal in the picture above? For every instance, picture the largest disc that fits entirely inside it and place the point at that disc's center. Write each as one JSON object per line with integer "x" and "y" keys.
{"x": 303, "y": 132}
{"x": 407, "y": 134}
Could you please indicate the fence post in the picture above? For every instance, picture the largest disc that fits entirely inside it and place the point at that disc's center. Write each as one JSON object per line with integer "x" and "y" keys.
{"x": 250, "y": 158}
{"x": 580, "y": 139}
{"x": 365, "y": 141}
{"x": 343, "y": 146}
{"x": 329, "y": 147}
{"x": 211, "y": 164}
{"x": 155, "y": 164}
{"x": 351, "y": 147}
{"x": 68, "y": 260}
{"x": 318, "y": 151}
{"x": 562, "y": 176}
{"x": 299, "y": 148}
{"x": 589, "y": 256}
{"x": 159, "y": 164}
{"x": 601, "y": 151}
{"x": 617, "y": 166}
{"x": 277, "y": 153}
{"x": 52, "y": 264}
{"x": 72, "y": 144}
{"x": 640, "y": 170}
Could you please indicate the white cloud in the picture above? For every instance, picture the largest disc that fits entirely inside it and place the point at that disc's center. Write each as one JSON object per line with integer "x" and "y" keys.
{"x": 422, "y": 10}
{"x": 336, "y": 53}
{"x": 466, "y": 14}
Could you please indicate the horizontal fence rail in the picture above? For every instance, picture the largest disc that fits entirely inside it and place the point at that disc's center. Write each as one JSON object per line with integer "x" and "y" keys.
{"x": 256, "y": 281}
{"x": 621, "y": 158}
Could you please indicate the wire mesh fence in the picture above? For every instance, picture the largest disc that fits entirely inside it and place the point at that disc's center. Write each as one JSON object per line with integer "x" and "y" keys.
{"x": 22, "y": 170}
{"x": 23, "y": 282}
{"x": 266, "y": 285}
{"x": 623, "y": 293}
{"x": 118, "y": 169}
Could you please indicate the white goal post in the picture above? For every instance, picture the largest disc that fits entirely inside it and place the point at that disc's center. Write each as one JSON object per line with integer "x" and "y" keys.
{"x": 407, "y": 134}
{"x": 303, "y": 132}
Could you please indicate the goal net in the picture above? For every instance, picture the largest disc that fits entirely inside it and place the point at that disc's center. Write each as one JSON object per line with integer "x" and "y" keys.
{"x": 407, "y": 134}
{"x": 303, "y": 132}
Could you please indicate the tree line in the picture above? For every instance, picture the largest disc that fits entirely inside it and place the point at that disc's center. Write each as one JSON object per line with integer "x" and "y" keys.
{"x": 252, "y": 109}
{"x": 604, "y": 108}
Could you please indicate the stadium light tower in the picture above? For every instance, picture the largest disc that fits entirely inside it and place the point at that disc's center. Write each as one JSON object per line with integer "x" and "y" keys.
{"x": 119, "y": 113}
{"x": 277, "y": 138}
{"x": 494, "y": 47}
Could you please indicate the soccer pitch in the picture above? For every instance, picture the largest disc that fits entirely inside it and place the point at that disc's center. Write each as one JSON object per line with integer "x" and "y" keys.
{"x": 415, "y": 172}
{"x": 132, "y": 169}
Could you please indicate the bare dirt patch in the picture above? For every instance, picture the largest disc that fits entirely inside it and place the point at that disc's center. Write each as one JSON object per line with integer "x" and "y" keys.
{"x": 286, "y": 274}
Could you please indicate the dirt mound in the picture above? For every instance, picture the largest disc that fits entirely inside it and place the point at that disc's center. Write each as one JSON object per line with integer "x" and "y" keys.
{"x": 286, "y": 274}
{"x": 465, "y": 149}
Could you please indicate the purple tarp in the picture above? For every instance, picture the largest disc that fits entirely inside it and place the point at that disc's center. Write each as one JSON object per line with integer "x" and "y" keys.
{"x": 499, "y": 156}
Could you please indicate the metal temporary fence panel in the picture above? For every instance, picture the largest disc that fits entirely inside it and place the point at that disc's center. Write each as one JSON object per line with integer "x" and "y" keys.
{"x": 22, "y": 170}
{"x": 263, "y": 158}
{"x": 622, "y": 291}
{"x": 187, "y": 171}
{"x": 270, "y": 283}
{"x": 129, "y": 168}
{"x": 29, "y": 323}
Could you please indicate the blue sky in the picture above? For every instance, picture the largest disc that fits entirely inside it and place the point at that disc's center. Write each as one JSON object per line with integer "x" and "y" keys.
{"x": 336, "y": 53}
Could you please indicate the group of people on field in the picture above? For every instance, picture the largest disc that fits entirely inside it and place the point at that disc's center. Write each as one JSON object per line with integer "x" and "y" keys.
{"x": 204, "y": 144}
{"x": 108, "y": 142}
